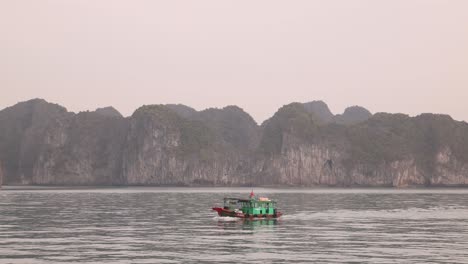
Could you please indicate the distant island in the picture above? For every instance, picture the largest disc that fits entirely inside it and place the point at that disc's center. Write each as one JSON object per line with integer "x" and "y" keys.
{"x": 302, "y": 144}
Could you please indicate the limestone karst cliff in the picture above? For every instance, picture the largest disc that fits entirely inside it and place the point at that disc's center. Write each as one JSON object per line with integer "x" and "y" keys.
{"x": 42, "y": 143}
{"x": 385, "y": 150}
{"x": 164, "y": 148}
{"x": 1, "y": 174}
{"x": 22, "y": 130}
{"x": 81, "y": 149}
{"x": 300, "y": 145}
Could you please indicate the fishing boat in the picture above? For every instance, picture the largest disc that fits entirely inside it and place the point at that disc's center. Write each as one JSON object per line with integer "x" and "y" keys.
{"x": 252, "y": 208}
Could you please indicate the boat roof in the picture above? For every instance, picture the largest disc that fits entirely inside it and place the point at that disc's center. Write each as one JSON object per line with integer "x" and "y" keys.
{"x": 248, "y": 200}
{"x": 237, "y": 199}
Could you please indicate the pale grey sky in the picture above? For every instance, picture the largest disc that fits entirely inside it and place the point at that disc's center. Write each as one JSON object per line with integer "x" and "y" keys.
{"x": 407, "y": 56}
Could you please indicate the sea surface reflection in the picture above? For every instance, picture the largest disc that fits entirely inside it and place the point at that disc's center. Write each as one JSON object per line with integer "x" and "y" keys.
{"x": 176, "y": 225}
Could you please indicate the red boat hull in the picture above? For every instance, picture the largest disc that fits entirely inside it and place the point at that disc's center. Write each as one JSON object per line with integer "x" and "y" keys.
{"x": 231, "y": 213}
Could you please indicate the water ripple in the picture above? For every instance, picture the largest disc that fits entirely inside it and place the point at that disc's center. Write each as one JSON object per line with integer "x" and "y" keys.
{"x": 154, "y": 225}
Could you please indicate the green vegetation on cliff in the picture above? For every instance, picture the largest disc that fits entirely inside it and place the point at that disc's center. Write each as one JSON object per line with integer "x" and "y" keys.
{"x": 195, "y": 137}
{"x": 291, "y": 119}
{"x": 174, "y": 144}
{"x": 393, "y": 137}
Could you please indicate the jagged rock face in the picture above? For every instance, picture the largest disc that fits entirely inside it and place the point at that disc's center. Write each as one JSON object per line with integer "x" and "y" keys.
{"x": 152, "y": 142}
{"x": 83, "y": 149}
{"x": 449, "y": 170}
{"x": 236, "y": 128}
{"x": 386, "y": 150}
{"x": 312, "y": 165}
{"x": 22, "y": 128}
{"x": 42, "y": 143}
{"x": 301, "y": 164}
{"x": 165, "y": 149}
{"x": 290, "y": 119}
{"x": 1, "y": 174}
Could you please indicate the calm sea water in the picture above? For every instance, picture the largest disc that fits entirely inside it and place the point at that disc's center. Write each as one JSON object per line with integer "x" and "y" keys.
{"x": 176, "y": 225}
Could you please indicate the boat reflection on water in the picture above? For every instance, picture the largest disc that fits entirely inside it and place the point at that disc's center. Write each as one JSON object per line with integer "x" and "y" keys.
{"x": 253, "y": 224}
{"x": 247, "y": 224}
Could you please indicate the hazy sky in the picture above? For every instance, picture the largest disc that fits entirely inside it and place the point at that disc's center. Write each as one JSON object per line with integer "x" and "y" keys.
{"x": 393, "y": 56}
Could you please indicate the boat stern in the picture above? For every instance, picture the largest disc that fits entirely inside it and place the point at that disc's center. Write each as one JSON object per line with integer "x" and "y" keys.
{"x": 219, "y": 210}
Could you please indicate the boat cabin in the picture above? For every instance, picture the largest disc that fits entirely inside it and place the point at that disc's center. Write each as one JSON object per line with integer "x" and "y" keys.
{"x": 260, "y": 206}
